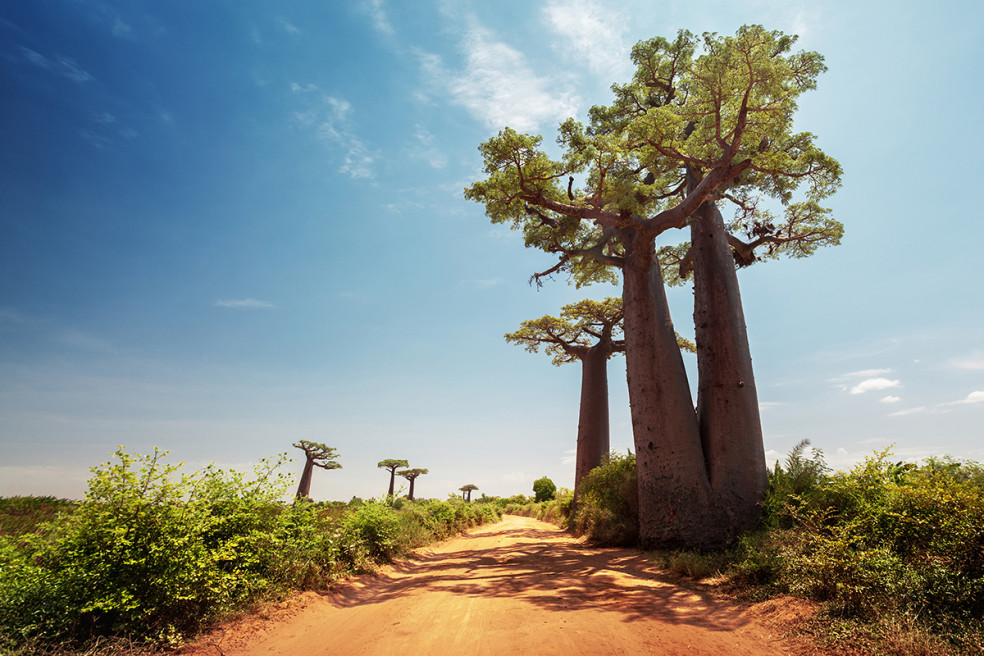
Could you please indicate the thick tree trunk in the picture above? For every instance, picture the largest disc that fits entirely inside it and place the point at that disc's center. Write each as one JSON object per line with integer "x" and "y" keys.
{"x": 727, "y": 402}
{"x": 410, "y": 495}
{"x": 593, "y": 438}
{"x": 392, "y": 482}
{"x": 304, "y": 488}
{"x": 677, "y": 506}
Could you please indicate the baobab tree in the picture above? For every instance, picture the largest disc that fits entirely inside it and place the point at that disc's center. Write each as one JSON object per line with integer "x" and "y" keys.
{"x": 466, "y": 491}
{"x": 391, "y": 466}
{"x": 586, "y": 332}
{"x": 411, "y": 475}
{"x": 689, "y": 131}
{"x": 315, "y": 455}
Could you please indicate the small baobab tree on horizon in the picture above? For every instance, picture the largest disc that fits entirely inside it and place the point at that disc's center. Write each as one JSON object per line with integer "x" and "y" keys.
{"x": 411, "y": 475}
{"x": 466, "y": 491}
{"x": 316, "y": 454}
{"x": 391, "y": 465}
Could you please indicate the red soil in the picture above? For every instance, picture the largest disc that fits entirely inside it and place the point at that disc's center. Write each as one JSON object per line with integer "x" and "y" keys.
{"x": 517, "y": 587}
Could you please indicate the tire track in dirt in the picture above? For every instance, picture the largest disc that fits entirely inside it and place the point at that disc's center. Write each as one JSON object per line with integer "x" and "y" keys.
{"x": 516, "y": 587}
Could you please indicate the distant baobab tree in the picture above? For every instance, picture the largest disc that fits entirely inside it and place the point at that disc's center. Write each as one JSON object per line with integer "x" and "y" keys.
{"x": 411, "y": 475}
{"x": 391, "y": 466}
{"x": 466, "y": 491}
{"x": 316, "y": 455}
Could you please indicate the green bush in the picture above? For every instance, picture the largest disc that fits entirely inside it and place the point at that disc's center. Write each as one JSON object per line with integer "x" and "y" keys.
{"x": 19, "y": 515}
{"x": 151, "y": 554}
{"x": 544, "y": 489}
{"x": 892, "y": 537}
{"x": 607, "y": 508}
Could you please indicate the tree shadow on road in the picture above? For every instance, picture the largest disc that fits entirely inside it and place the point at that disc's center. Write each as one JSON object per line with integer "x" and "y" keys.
{"x": 546, "y": 568}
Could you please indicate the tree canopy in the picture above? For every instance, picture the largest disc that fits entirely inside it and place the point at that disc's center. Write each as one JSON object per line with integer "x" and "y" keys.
{"x": 411, "y": 475}
{"x": 316, "y": 454}
{"x": 544, "y": 489}
{"x": 724, "y": 116}
{"x": 391, "y": 465}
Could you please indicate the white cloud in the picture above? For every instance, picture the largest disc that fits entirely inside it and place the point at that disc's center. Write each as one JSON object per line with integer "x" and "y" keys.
{"x": 243, "y": 303}
{"x": 593, "y": 34}
{"x": 377, "y": 12}
{"x": 499, "y": 88}
{"x": 425, "y": 151}
{"x": 973, "y": 398}
{"x": 289, "y": 27}
{"x": 486, "y": 283}
{"x": 890, "y": 399}
{"x": 911, "y": 411}
{"x": 121, "y": 29}
{"x": 58, "y": 65}
{"x": 874, "y": 384}
{"x": 331, "y": 123}
{"x": 864, "y": 373}
{"x": 971, "y": 363}
{"x": 307, "y": 88}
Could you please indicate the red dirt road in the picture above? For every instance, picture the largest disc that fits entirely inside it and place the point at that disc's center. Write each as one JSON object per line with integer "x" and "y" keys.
{"x": 517, "y": 587}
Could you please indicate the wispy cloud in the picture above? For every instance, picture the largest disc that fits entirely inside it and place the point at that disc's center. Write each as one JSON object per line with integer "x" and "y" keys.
{"x": 874, "y": 384}
{"x": 498, "y": 87}
{"x": 243, "y": 303}
{"x": 377, "y": 13}
{"x": 974, "y": 398}
{"x": 864, "y": 373}
{"x": 331, "y": 122}
{"x": 593, "y": 34}
{"x": 973, "y": 362}
{"x": 289, "y": 27}
{"x": 58, "y": 65}
{"x": 482, "y": 283}
{"x": 866, "y": 380}
{"x": 426, "y": 151}
{"x": 890, "y": 399}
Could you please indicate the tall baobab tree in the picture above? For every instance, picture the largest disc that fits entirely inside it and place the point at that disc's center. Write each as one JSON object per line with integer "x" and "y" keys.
{"x": 391, "y": 466}
{"x": 466, "y": 491}
{"x": 690, "y": 130}
{"x": 587, "y": 332}
{"x": 411, "y": 475}
{"x": 316, "y": 455}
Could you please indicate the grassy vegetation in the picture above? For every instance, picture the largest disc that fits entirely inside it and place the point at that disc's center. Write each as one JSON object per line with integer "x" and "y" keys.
{"x": 893, "y": 551}
{"x": 152, "y": 555}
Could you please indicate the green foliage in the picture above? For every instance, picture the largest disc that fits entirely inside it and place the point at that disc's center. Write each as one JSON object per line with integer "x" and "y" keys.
{"x": 723, "y": 106}
{"x": 887, "y": 544}
{"x": 320, "y": 454}
{"x": 19, "y": 515}
{"x": 607, "y": 509}
{"x": 580, "y": 326}
{"x": 152, "y": 554}
{"x": 544, "y": 489}
{"x": 556, "y": 511}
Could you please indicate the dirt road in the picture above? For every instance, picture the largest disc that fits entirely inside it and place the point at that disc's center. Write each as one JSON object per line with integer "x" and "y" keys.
{"x": 517, "y": 587}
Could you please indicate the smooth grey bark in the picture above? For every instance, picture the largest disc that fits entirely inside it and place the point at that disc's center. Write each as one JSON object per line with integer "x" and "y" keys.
{"x": 727, "y": 401}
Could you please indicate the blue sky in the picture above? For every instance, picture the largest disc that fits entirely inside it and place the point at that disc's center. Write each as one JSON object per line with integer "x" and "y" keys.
{"x": 228, "y": 226}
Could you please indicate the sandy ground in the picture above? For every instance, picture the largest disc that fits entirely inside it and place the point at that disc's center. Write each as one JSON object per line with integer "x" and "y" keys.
{"x": 517, "y": 587}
